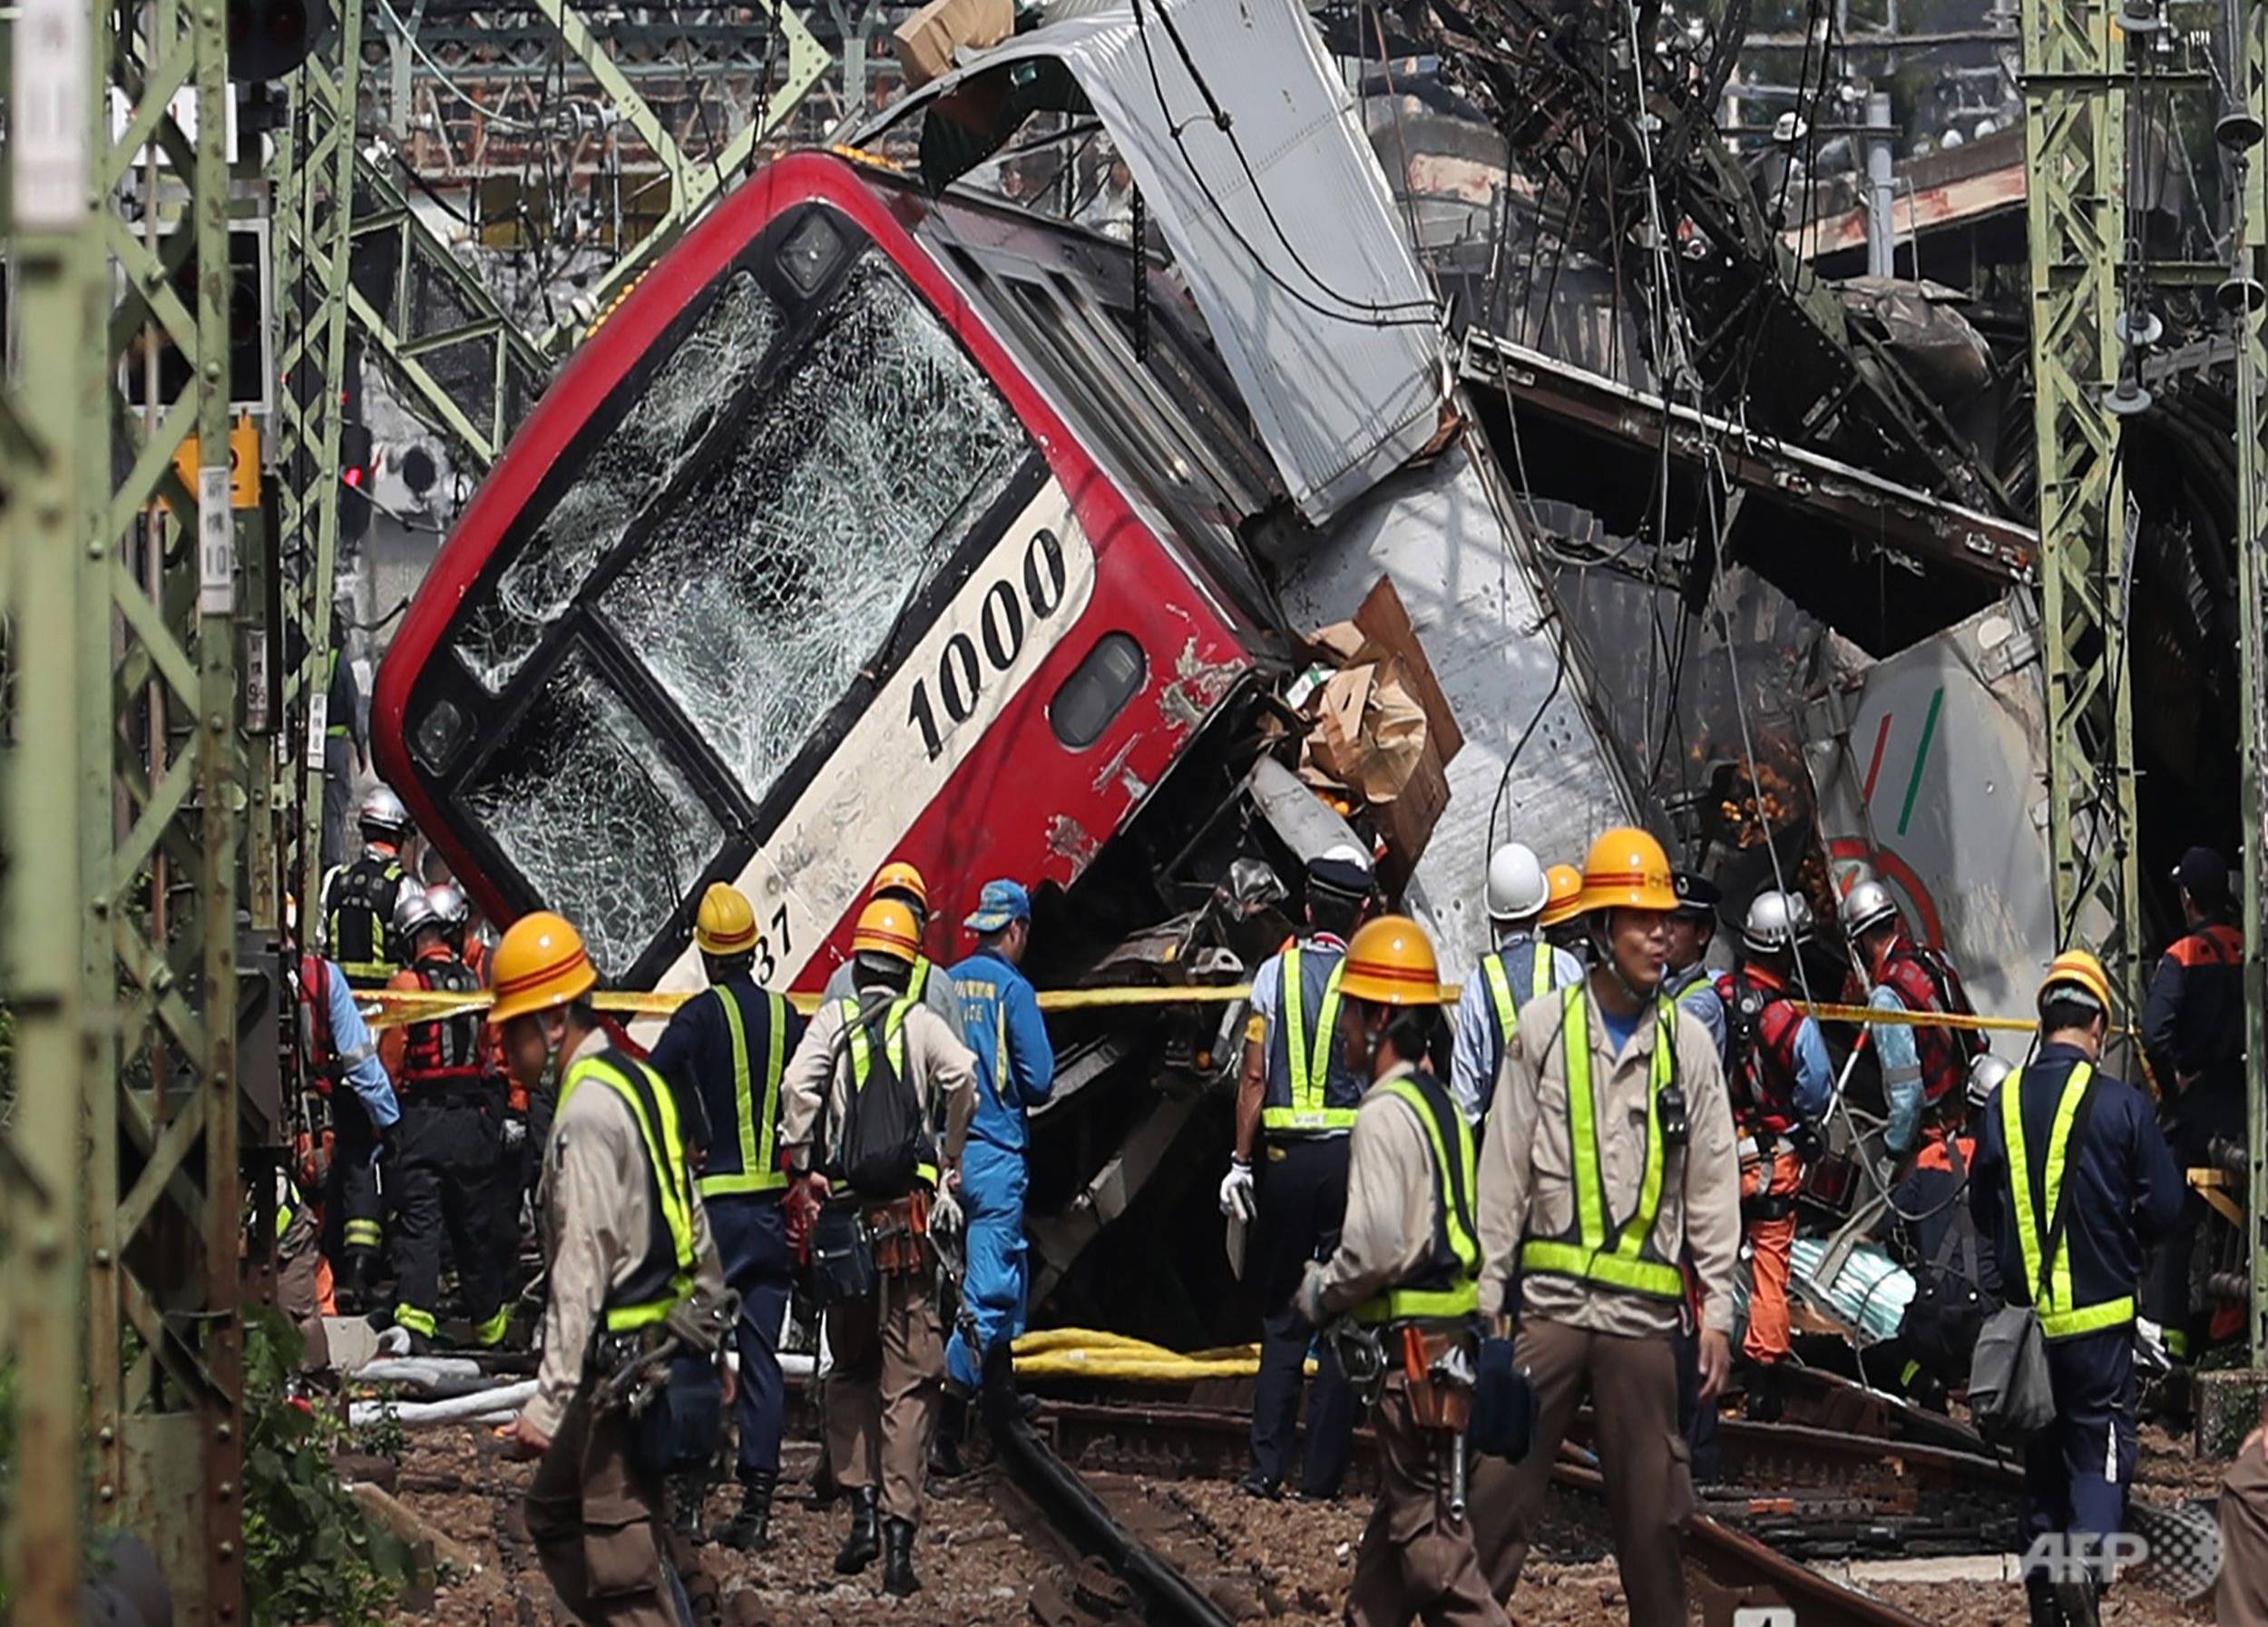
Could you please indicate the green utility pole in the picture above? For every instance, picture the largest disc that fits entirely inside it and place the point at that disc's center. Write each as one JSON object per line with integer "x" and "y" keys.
{"x": 54, "y": 484}
{"x": 2251, "y": 592}
{"x": 2074, "y": 164}
{"x": 313, "y": 178}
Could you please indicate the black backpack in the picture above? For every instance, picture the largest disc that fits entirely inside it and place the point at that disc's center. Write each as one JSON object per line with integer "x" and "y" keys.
{"x": 882, "y": 1142}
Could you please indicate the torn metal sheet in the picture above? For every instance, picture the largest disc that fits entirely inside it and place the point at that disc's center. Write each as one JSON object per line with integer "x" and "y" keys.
{"x": 1447, "y": 537}
{"x": 1929, "y": 768}
{"x": 1278, "y": 217}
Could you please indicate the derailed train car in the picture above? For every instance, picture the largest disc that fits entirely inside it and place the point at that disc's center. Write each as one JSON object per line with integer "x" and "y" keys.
{"x": 883, "y": 521}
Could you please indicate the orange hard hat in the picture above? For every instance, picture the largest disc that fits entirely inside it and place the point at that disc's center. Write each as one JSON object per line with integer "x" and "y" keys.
{"x": 539, "y": 964}
{"x": 1567, "y": 894}
{"x": 886, "y": 926}
{"x": 2077, "y": 971}
{"x": 1626, "y": 869}
{"x": 1391, "y": 962}
{"x": 725, "y": 925}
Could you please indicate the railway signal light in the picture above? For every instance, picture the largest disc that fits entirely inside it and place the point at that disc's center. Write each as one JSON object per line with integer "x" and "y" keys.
{"x": 358, "y": 468}
{"x": 268, "y": 39}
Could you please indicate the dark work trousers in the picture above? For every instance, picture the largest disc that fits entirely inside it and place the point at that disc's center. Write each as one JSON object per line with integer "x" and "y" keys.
{"x": 1697, "y": 1418}
{"x": 1301, "y": 1198}
{"x": 751, "y": 1233}
{"x": 2078, "y": 1469}
{"x": 445, "y": 1180}
{"x": 350, "y": 1192}
{"x": 2209, "y": 1108}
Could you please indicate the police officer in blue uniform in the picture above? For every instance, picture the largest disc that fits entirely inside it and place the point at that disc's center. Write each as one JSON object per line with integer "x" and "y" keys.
{"x": 1015, "y": 1070}
{"x": 725, "y": 1051}
{"x": 1295, "y": 1104}
{"x": 2060, "y": 1134}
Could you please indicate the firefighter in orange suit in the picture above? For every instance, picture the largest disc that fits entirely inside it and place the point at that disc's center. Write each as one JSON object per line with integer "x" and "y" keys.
{"x": 1776, "y": 1065}
{"x": 1407, "y": 1270}
{"x": 1610, "y": 1161}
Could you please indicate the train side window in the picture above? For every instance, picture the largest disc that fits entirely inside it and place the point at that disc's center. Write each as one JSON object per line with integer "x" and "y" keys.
{"x": 1098, "y": 691}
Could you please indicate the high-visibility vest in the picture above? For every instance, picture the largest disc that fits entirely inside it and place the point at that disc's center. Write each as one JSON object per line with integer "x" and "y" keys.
{"x": 1448, "y": 1285}
{"x": 358, "y": 914}
{"x": 664, "y": 1275}
{"x": 1628, "y": 1259}
{"x": 1543, "y": 978}
{"x": 446, "y": 1052}
{"x": 756, "y": 1112}
{"x": 2052, "y": 1297}
{"x": 862, "y": 1058}
{"x": 1310, "y": 1090}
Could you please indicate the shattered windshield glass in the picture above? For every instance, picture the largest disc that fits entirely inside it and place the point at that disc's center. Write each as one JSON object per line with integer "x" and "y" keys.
{"x": 664, "y": 428}
{"x": 778, "y": 572}
{"x": 587, "y": 805}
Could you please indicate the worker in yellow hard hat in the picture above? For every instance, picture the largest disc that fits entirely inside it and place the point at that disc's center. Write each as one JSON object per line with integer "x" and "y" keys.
{"x": 2072, "y": 1182}
{"x": 900, "y": 883}
{"x": 875, "y": 1071}
{"x": 1406, "y": 1268}
{"x": 725, "y": 1052}
{"x": 1608, "y": 1162}
{"x": 1561, "y": 922}
{"x": 633, "y": 1273}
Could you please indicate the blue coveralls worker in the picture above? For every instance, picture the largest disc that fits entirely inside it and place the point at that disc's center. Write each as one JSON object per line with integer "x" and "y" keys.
{"x": 1295, "y": 1102}
{"x": 725, "y": 1051}
{"x": 1015, "y": 1070}
{"x": 337, "y": 1048}
{"x": 2193, "y": 1032}
{"x": 1691, "y": 987}
{"x": 1522, "y": 967}
{"x": 2060, "y": 1131}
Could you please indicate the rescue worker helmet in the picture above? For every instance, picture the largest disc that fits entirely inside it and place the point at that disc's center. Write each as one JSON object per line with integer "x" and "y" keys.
{"x": 1517, "y": 887}
{"x": 1777, "y": 921}
{"x": 413, "y": 913}
{"x": 382, "y": 814}
{"x": 886, "y": 927}
{"x": 448, "y": 905}
{"x": 2076, "y": 975}
{"x": 1868, "y": 905}
{"x": 1626, "y": 869}
{"x": 539, "y": 964}
{"x": 899, "y": 877}
{"x": 1390, "y": 961}
{"x": 1985, "y": 1076}
{"x": 1567, "y": 894}
{"x": 725, "y": 925}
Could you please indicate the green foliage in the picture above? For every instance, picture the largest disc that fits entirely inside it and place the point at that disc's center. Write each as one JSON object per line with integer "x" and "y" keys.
{"x": 382, "y": 1437}
{"x": 311, "y": 1555}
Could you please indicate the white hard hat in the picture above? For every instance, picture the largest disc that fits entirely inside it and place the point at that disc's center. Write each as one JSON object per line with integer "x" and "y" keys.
{"x": 1866, "y": 906}
{"x": 382, "y": 811}
{"x": 413, "y": 911}
{"x": 1517, "y": 885}
{"x": 448, "y": 904}
{"x": 1777, "y": 920}
{"x": 1985, "y": 1076}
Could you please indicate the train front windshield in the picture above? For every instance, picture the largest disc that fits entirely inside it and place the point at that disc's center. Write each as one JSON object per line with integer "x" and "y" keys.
{"x": 711, "y": 581}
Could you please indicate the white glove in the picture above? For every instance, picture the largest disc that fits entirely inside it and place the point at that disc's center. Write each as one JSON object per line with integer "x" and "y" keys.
{"x": 515, "y": 1133}
{"x": 944, "y": 1214}
{"x": 1307, "y": 1298}
{"x": 1237, "y": 1200}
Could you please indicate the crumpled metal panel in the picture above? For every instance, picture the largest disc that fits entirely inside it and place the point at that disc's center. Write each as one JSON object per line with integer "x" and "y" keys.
{"x": 1928, "y": 768}
{"x": 1301, "y": 266}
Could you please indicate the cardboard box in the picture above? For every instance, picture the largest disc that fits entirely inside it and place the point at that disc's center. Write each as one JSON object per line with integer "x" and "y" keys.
{"x": 927, "y": 39}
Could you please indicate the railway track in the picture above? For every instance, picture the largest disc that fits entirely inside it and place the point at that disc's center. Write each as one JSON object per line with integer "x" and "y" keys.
{"x": 1870, "y": 1495}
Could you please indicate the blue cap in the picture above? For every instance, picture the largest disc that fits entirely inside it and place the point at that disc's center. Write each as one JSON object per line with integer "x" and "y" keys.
{"x": 1002, "y": 905}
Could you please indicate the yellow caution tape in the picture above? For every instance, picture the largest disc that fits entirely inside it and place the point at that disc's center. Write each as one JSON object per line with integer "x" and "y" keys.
{"x": 391, "y": 1008}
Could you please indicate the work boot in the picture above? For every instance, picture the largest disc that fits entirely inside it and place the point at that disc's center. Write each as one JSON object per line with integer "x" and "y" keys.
{"x": 750, "y": 1530}
{"x": 898, "y": 1580}
{"x": 1764, "y": 1404}
{"x": 860, "y": 1548}
{"x": 2039, "y": 1600}
{"x": 944, "y": 1442}
{"x": 358, "y": 1288}
{"x": 688, "y": 1506}
{"x": 1002, "y": 1402}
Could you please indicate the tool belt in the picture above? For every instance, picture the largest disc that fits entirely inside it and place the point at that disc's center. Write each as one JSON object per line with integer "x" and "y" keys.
{"x": 1437, "y": 1365}
{"x": 900, "y": 1231}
